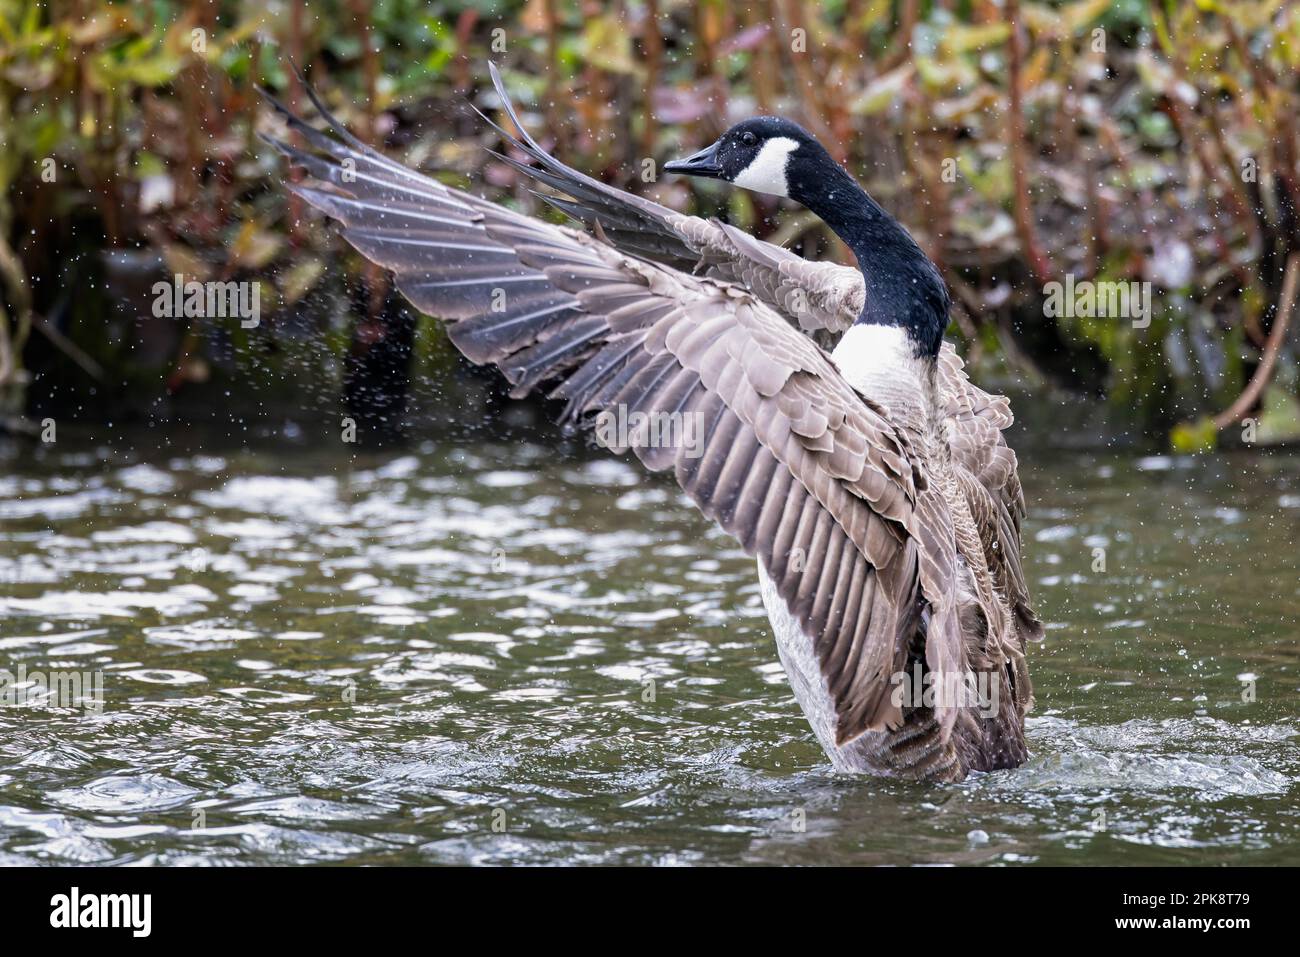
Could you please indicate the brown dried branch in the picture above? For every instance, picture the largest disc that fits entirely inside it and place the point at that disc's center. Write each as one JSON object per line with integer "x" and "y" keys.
{"x": 1264, "y": 371}
{"x": 653, "y": 42}
{"x": 1023, "y": 212}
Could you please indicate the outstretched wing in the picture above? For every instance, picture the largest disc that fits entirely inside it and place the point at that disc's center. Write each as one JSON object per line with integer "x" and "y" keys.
{"x": 819, "y": 297}
{"x": 785, "y": 456}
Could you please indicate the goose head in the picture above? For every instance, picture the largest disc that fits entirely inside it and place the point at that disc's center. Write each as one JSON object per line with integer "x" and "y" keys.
{"x": 766, "y": 154}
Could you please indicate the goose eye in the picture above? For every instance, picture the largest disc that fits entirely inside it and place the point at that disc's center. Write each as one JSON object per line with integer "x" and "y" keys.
{"x": 749, "y": 139}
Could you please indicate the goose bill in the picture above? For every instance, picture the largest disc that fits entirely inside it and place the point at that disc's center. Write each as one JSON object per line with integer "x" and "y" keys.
{"x": 703, "y": 163}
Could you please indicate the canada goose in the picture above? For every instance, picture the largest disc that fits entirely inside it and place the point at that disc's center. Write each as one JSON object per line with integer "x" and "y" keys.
{"x": 872, "y": 483}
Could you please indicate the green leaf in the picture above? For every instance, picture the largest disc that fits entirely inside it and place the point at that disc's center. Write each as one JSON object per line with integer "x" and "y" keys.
{"x": 608, "y": 45}
{"x": 961, "y": 38}
{"x": 1198, "y": 436}
{"x": 1080, "y": 14}
{"x": 299, "y": 279}
{"x": 882, "y": 92}
{"x": 1279, "y": 420}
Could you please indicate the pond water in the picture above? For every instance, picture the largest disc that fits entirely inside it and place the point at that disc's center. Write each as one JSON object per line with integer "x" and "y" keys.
{"x": 510, "y": 652}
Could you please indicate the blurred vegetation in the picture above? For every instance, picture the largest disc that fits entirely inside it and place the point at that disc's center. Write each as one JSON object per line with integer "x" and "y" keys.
{"x": 1112, "y": 140}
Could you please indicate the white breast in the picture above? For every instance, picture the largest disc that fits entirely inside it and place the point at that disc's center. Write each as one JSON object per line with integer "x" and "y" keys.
{"x": 868, "y": 353}
{"x": 881, "y": 363}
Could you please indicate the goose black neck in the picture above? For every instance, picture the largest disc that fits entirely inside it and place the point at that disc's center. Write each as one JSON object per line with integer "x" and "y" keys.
{"x": 903, "y": 288}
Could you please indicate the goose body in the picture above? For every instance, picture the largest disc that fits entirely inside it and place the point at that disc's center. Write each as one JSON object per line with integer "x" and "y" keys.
{"x": 871, "y": 483}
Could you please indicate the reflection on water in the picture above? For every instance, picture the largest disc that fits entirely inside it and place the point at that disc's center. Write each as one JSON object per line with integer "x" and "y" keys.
{"x": 502, "y": 653}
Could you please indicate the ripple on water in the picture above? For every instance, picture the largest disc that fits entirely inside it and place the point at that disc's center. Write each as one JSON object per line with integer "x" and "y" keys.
{"x": 126, "y": 794}
{"x": 163, "y": 676}
{"x": 1158, "y": 758}
{"x": 376, "y": 654}
{"x": 176, "y": 601}
{"x": 207, "y": 632}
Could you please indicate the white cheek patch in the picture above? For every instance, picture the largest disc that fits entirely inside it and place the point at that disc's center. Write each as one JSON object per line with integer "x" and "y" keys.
{"x": 766, "y": 173}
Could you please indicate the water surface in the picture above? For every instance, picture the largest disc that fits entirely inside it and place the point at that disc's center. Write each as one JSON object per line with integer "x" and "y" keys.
{"x": 506, "y": 652}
